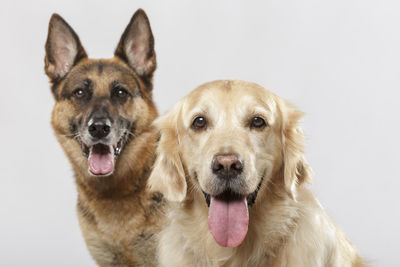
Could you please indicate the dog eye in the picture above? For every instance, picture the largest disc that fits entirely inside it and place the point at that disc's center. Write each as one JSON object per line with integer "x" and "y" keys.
{"x": 258, "y": 122}
{"x": 121, "y": 93}
{"x": 79, "y": 93}
{"x": 199, "y": 123}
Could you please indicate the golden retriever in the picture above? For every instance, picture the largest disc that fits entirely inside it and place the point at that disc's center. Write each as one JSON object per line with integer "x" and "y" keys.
{"x": 231, "y": 161}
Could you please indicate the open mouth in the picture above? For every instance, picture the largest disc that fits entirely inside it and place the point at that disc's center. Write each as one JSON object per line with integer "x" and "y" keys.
{"x": 101, "y": 157}
{"x": 228, "y": 216}
{"x": 228, "y": 195}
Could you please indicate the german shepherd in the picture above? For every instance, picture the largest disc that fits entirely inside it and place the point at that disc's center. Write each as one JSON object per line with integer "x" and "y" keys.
{"x": 102, "y": 118}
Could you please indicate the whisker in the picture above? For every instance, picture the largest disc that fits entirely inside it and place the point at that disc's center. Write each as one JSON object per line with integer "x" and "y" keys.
{"x": 130, "y": 133}
{"x": 74, "y": 135}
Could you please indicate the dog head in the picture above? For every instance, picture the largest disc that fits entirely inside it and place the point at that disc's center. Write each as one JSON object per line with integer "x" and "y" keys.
{"x": 226, "y": 140}
{"x": 101, "y": 105}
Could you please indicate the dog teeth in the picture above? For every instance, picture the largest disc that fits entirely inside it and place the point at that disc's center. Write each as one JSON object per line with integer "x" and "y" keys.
{"x": 85, "y": 149}
{"x": 118, "y": 148}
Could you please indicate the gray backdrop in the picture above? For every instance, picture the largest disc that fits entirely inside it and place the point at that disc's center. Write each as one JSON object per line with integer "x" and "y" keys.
{"x": 336, "y": 60}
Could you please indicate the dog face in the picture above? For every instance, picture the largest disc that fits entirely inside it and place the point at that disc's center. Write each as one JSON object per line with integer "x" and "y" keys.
{"x": 233, "y": 131}
{"x": 228, "y": 138}
{"x": 101, "y": 105}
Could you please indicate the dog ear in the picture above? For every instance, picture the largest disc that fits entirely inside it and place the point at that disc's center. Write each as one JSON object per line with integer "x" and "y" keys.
{"x": 295, "y": 167}
{"x": 136, "y": 46}
{"x": 63, "y": 49}
{"x": 168, "y": 175}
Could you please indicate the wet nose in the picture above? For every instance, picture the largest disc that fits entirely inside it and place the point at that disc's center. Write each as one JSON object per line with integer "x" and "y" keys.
{"x": 99, "y": 129}
{"x": 226, "y": 166}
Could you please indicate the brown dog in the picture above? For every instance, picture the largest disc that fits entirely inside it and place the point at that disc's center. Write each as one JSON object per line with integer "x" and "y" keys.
{"x": 102, "y": 118}
{"x": 231, "y": 157}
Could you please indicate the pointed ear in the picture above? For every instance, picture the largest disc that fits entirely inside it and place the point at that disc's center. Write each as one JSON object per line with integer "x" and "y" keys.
{"x": 168, "y": 175}
{"x": 63, "y": 49}
{"x": 296, "y": 169}
{"x": 136, "y": 46}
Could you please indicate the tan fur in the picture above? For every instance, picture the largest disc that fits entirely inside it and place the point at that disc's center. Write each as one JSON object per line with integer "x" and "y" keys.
{"x": 287, "y": 225}
{"x": 118, "y": 217}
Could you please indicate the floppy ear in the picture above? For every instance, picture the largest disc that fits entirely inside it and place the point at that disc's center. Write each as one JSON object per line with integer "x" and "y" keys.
{"x": 296, "y": 169}
{"x": 136, "y": 47}
{"x": 63, "y": 49}
{"x": 168, "y": 176}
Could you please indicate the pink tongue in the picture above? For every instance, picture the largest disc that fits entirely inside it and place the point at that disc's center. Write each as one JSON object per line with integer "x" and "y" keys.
{"x": 228, "y": 221}
{"x": 101, "y": 163}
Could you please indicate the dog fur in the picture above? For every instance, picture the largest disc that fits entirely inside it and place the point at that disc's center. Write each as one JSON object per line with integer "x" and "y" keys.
{"x": 118, "y": 217}
{"x": 287, "y": 226}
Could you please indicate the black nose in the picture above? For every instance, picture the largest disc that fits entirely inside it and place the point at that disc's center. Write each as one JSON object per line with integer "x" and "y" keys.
{"x": 99, "y": 129}
{"x": 226, "y": 166}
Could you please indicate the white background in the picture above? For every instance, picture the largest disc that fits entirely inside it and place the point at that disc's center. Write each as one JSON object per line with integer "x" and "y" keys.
{"x": 338, "y": 61}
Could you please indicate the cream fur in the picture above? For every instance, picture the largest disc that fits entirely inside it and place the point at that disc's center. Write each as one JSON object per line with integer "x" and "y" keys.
{"x": 287, "y": 226}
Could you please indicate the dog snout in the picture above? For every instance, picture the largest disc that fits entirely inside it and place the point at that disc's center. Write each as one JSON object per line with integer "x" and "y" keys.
{"x": 226, "y": 166}
{"x": 99, "y": 128}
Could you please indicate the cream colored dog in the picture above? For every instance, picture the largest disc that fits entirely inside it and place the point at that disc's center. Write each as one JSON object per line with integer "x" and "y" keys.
{"x": 230, "y": 160}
